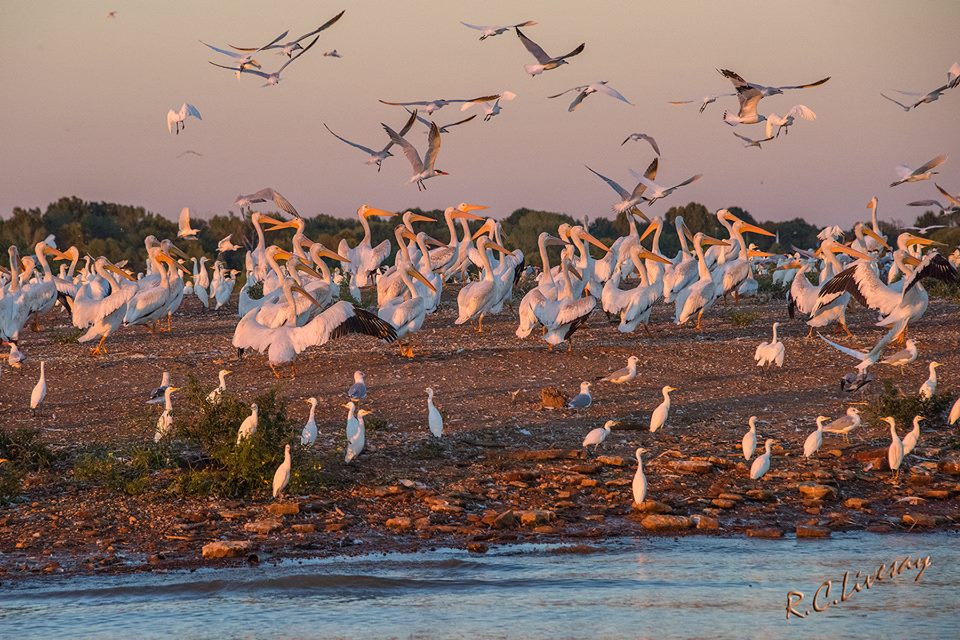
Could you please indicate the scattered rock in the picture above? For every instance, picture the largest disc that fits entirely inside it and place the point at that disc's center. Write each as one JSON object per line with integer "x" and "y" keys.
{"x": 227, "y": 549}
{"x": 935, "y": 494}
{"x": 761, "y": 495}
{"x": 723, "y": 504}
{"x": 541, "y": 455}
{"x": 950, "y": 465}
{"x": 812, "y": 531}
{"x": 505, "y": 520}
{"x": 659, "y": 522}
{"x": 477, "y": 547}
{"x": 856, "y": 503}
{"x": 691, "y": 466}
{"x": 652, "y": 506}
{"x": 705, "y": 523}
{"x": 400, "y": 523}
{"x": 263, "y": 527}
{"x": 537, "y": 517}
{"x": 612, "y": 461}
{"x": 304, "y": 528}
{"x": 921, "y": 520}
{"x": 816, "y": 491}
{"x": 765, "y": 532}
{"x": 283, "y": 508}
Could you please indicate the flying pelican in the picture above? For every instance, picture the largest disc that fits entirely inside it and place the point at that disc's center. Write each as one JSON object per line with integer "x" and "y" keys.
{"x": 639, "y": 480}
{"x": 895, "y": 450}
{"x": 422, "y": 169}
{"x": 596, "y": 436}
{"x": 845, "y": 424}
{"x": 923, "y": 172}
{"x": 184, "y": 223}
{"x": 749, "y": 441}
{"x": 406, "y": 316}
{"x": 701, "y": 295}
{"x": 626, "y": 374}
{"x": 282, "y": 475}
{"x": 377, "y": 157}
{"x": 929, "y": 388}
{"x": 585, "y": 90}
{"x": 267, "y": 194}
{"x": 583, "y": 399}
{"x": 761, "y": 465}
{"x": 630, "y": 200}
{"x": 434, "y": 419}
{"x": 165, "y": 421}
{"x": 477, "y": 298}
{"x": 245, "y": 61}
{"x": 214, "y": 396}
{"x": 39, "y": 390}
{"x": 750, "y": 142}
{"x": 358, "y": 390}
{"x": 544, "y": 61}
{"x": 249, "y": 425}
{"x": 783, "y": 123}
{"x": 289, "y": 48}
{"x": 272, "y": 79}
{"x": 488, "y": 31}
{"x": 770, "y": 353}
{"x": 309, "y": 433}
{"x": 156, "y": 396}
{"x": 812, "y": 444}
{"x": 658, "y": 418}
{"x": 178, "y": 118}
{"x": 642, "y": 136}
{"x": 910, "y": 440}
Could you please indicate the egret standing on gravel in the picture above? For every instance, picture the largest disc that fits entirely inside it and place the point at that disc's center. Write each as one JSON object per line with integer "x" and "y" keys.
{"x": 812, "y": 444}
{"x": 761, "y": 465}
{"x": 39, "y": 390}
{"x": 910, "y": 440}
{"x": 929, "y": 388}
{"x": 165, "y": 421}
{"x": 770, "y": 353}
{"x": 583, "y": 399}
{"x": 282, "y": 475}
{"x": 639, "y": 480}
{"x": 660, "y": 415}
{"x": 249, "y": 425}
{"x": 434, "y": 419}
{"x": 749, "y": 442}
{"x": 309, "y": 433}
{"x": 598, "y": 435}
{"x": 895, "y": 450}
{"x": 626, "y": 374}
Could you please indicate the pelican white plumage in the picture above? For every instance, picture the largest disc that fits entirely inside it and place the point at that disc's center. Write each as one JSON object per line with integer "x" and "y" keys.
{"x": 639, "y": 485}
{"x": 100, "y": 305}
{"x": 178, "y": 118}
{"x": 923, "y": 172}
{"x": 845, "y": 424}
{"x": 156, "y": 396}
{"x": 281, "y": 476}
{"x": 761, "y": 465}
{"x": 184, "y": 230}
{"x": 434, "y": 419}
{"x": 895, "y": 450}
{"x": 749, "y": 442}
{"x": 929, "y": 388}
{"x": 267, "y": 194}
{"x": 358, "y": 390}
{"x": 770, "y": 353}
{"x": 423, "y": 169}
{"x": 910, "y": 440}
{"x": 165, "y": 421}
{"x": 813, "y": 442}
{"x": 488, "y": 31}
{"x": 629, "y": 200}
{"x": 583, "y": 399}
{"x": 701, "y": 295}
{"x": 478, "y": 298}
{"x": 249, "y": 425}
{"x": 645, "y": 137}
{"x": 626, "y": 374}
{"x": 39, "y": 390}
{"x": 737, "y": 269}
{"x": 154, "y": 299}
{"x": 308, "y": 435}
{"x": 364, "y": 258}
{"x": 272, "y": 79}
{"x": 784, "y": 122}
{"x": 660, "y": 415}
{"x": 560, "y": 311}
{"x": 585, "y": 90}
{"x": 639, "y": 301}
{"x": 545, "y": 62}
{"x": 596, "y": 436}
{"x": 374, "y": 156}
{"x": 406, "y": 316}
{"x": 214, "y": 396}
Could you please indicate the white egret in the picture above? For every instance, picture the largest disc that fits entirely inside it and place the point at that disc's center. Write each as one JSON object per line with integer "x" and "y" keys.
{"x": 226, "y": 244}
{"x": 749, "y": 441}
{"x": 639, "y": 480}
{"x": 165, "y": 421}
{"x": 895, "y": 450}
{"x": 770, "y": 353}
{"x": 658, "y": 418}
{"x": 249, "y": 425}
{"x": 308, "y": 435}
{"x": 39, "y": 390}
{"x": 813, "y": 442}
{"x": 910, "y": 440}
{"x": 178, "y": 118}
{"x": 184, "y": 230}
{"x": 214, "y": 396}
{"x": 434, "y": 419}
{"x": 356, "y": 433}
{"x": 929, "y": 388}
{"x": 761, "y": 465}
{"x": 282, "y": 475}
{"x": 598, "y": 435}
{"x": 954, "y": 412}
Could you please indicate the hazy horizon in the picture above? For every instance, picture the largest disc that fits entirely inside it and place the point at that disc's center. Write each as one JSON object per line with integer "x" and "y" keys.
{"x": 88, "y": 95}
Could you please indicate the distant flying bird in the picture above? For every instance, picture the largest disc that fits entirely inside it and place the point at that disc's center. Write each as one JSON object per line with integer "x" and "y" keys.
{"x": 429, "y": 106}
{"x": 422, "y": 169}
{"x": 289, "y": 48}
{"x": 765, "y": 91}
{"x": 489, "y": 31}
{"x": 750, "y": 142}
{"x": 184, "y": 223}
{"x": 190, "y": 152}
{"x": 929, "y": 203}
{"x": 490, "y": 110}
{"x": 178, "y": 118}
{"x": 704, "y": 101}
{"x": 927, "y": 228}
{"x": 377, "y": 157}
{"x": 923, "y": 172}
{"x": 588, "y": 89}
{"x": 266, "y": 195}
{"x": 245, "y": 60}
{"x": 784, "y": 122}
{"x": 924, "y": 97}
{"x": 544, "y": 61}
{"x": 333, "y": 53}
{"x": 272, "y": 79}
{"x": 953, "y": 199}
{"x": 642, "y": 136}
{"x": 444, "y": 128}
{"x": 111, "y": 14}
{"x": 953, "y": 75}
{"x": 226, "y": 244}
{"x": 629, "y": 200}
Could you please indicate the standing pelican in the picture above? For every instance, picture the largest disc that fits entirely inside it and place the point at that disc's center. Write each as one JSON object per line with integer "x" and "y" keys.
{"x": 749, "y": 441}
{"x": 434, "y": 419}
{"x": 406, "y": 316}
{"x": 701, "y": 295}
{"x": 309, "y": 433}
{"x": 477, "y": 298}
{"x": 812, "y": 444}
{"x": 100, "y": 305}
{"x": 282, "y": 475}
{"x": 660, "y": 415}
{"x": 639, "y": 480}
{"x": 364, "y": 258}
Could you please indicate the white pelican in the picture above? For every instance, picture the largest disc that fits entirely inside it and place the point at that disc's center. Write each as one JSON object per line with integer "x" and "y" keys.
{"x": 736, "y": 270}
{"x": 923, "y": 172}
{"x": 929, "y": 388}
{"x": 452, "y": 258}
{"x": 406, "y": 316}
{"x": 178, "y": 118}
{"x": 954, "y": 412}
{"x": 638, "y": 302}
{"x": 560, "y": 312}
{"x": 812, "y": 444}
{"x": 895, "y": 450}
{"x": 39, "y": 390}
{"x": 364, "y": 258}
{"x": 272, "y": 79}
{"x": 100, "y": 305}
{"x": 214, "y": 396}
{"x": 165, "y": 421}
{"x": 583, "y": 399}
{"x": 185, "y": 231}
{"x": 249, "y": 425}
{"x": 478, "y": 298}
{"x": 153, "y": 301}
{"x": 701, "y": 295}
{"x": 784, "y": 122}
{"x": 488, "y": 31}
{"x": 626, "y": 374}
{"x": 830, "y": 305}
{"x": 390, "y": 284}
{"x": 639, "y": 480}
{"x": 845, "y": 424}
{"x": 546, "y": 289}
{"x": 423, "y": 169}
{"x": 658, "y": 418}
{"x": 585, "y": 90}
{"x": 222, "y": 284}
{"x": 630, "y": 199}
{"x": 376, "y": 157}
{"x": 24, "y": 299}
{"x": 684, "y": 271}
{"x": 761, "y": 465}
{"x": 308, "y": 435}
{"x": 282, "y": 475}
{"x": 749, "y": 441}
{"x": 434, "y": 419}
{"x": 598, "y": 435}
{"x": 291, "y": 47}
{"x": 358, "y": 390}
{"x": 642, "y": 136}
{"x": 544, "y": 61}
{"x": 770, "y": 353}
{"x": 910, "y": 440}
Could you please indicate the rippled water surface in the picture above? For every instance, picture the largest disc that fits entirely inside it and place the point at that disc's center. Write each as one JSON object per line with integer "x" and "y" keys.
{"x": 655, "y": 587}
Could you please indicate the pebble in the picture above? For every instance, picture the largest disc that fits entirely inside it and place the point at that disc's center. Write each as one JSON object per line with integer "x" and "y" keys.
{"x": 227, "y": 549}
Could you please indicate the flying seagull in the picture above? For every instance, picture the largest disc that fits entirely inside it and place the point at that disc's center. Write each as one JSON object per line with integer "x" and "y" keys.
{"x": 765, "y": 91}
{"x": 489, "y": 30}
{"x": 178, "y": 118}
{"x": 429, "y": 106}
{"x": 953, "y": 199}
{"x": 422, "y": 169}
{"x": 490, "y": 110}
{"x": 704, "y": 101}
{"x": 750, "y": 94}
{"x": 787, "y": 120}
{"x": 289, "y": 48}
{"x": 377, "y": 157}
{"x": 930, "y": 203}
{"x": 267, "y": 195}
{"x": 184, "y": 225}
{"x": 245, "y": 60}
{"x": 544, "y": 61}
{"x": 588, "y": 89}
{"x": 658, "y": 191}
{"x": 630, "y": 200}
{"x": 190, "y": 152}
{"x": 750, "y": 142}
{"x": 642, "y": 136}
{"x": 921, "y": 173}
{"x": 333, "y": 53}
{"x": 444, "y": 128}
{"x": 272, "y": 79}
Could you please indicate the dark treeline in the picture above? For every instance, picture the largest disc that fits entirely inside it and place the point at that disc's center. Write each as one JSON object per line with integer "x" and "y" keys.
{"x": 117, "y": 231}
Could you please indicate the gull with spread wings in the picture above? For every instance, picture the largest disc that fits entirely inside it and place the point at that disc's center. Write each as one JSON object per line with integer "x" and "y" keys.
{"x": 488, "y": 31}
{"x": 272, "y": 79}
{"x": 267, "y": 195}
{"x": 642, "y": 136}
{"x": 429, "y": 106}
{"x": 544, "y": 61}
{"x": 289, "y": 48}
{"x": 444, "y": 128}
{"x": 585, "y": 90}
{"x": 750, "y": 142}
{"x": 377, "y": 157}
{"x": 422, "y": 169}
{"x": 491, "y": 105}
{"x": 630, "y": 200}
{"x": 179, "y": 118}
{"x": 656, "y": 192}
{"x": 245, "y": 60}
{"x": 750, "y": 95}
{"x": 704, "y": 101}
{"x": 924, "y": 172}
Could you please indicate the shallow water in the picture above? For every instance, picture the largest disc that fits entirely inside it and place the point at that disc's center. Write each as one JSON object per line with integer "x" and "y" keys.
{"x": 654, "y": 587}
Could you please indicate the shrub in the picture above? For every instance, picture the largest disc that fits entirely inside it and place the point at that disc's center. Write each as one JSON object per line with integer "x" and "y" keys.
{"x": 24, "y": 448}
{"x": 11, "y": 481}
{"x": 742, "y": 318}
{"x": 903, "y": 408}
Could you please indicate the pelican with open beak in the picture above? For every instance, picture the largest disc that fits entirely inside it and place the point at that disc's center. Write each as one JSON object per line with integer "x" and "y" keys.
{"x": 477, "y": 298}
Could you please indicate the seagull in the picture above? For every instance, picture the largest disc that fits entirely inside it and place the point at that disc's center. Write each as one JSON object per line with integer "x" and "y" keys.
{"x": 308, "y": 435}
{"x": 630, "y": 200}
{"x": 750, "y": 142}
{"x": 245, "y": 60}
{"x": 930, "y": 203}
{"x": 813, "y": 442}
{"x": 765, "y": 91}
{"x": 923, "y": 172}
{"x": 854, "y": 381}
{"x": 583, "y": 399}
{"x": 626, "y": 374}
{"x": 289, "y": 48}
{"x": 226, "y": 244}
{"x": 598, "y": 435}
{"x": 358, "y": 390}
{"x": 925, "y": 98}
{"x": 926, "y": 229}
{"x": 952, "y": 199}
{"x": 429, "y": 106}
{"x": 660, "y": 415}
{"x": 787, "y": 120}
{"x": 585, "y": 90}
{"x": 178, "y": 118}
{"x": 190, "y": 152}
{"x": 749, "y": 441}
{"x": 184, "y": 223}
{"x": 422, "y": 169}
{"x": 272, "y": 79}
{"x": 333, "y": 53}
{"x": 761, "y": 465}
{"x": 265, "y": 195}
{"x": 490, "y": 110}
{"x": 377, "y": 157}
{"x": 444, "y": 128}
{"x": 642, "y": 136}
{"x": 704, "y": 101}
{"x": 750, "y": 95}
{"x": 156, "y": 396}
{"x": 544, "y": 61}
{"x": 489, "y": 30}
{"x": 659, "y": 191}
{"x": 434, "y": 419}
{"x": 282, "y": 476}
{"x": 844, "y": 425}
